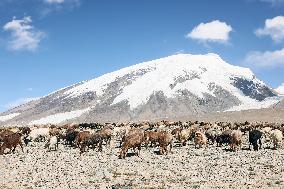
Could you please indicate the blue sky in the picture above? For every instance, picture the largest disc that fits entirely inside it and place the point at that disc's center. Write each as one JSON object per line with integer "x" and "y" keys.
{"x": 49, "y": 44}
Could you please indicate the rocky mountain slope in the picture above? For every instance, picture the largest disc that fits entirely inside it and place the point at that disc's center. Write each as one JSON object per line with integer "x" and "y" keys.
{"x": 167, "y": 88}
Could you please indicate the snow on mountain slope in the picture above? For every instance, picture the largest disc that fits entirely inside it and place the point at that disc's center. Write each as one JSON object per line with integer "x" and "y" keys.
{"x": 60, "y": 117}
{"x": 280, "y": 89}
{"x": 254, "y": 104}
{"x": 8, "y": 117}
{"x": 199, "y": 72}
{"x": 176, "y": 86}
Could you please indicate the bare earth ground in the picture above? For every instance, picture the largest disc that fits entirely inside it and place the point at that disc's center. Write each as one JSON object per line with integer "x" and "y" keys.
{"x": 186, "y": 167}
{"x": 264, "y": 115}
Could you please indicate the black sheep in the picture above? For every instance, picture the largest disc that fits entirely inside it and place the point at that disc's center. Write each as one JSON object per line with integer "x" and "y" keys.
{"x": 255, "y": 138}
{"x": 71, "y": 136}
{"x": 224, "y": 138}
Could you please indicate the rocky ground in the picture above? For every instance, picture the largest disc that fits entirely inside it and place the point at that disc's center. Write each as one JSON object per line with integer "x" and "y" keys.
{"x": 186, "y": 167}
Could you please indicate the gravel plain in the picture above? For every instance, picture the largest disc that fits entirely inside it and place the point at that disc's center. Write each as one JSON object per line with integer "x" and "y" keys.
{"x": 185, "y": 167}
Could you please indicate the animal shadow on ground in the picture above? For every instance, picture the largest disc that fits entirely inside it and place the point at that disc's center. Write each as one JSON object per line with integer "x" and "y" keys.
{"x": 246, "y": 149}
{"x": 157, "y": 152}
{"x": 230, "y": 150}
{"x": 130, "y": 154}
{"x": 269, "y": 148}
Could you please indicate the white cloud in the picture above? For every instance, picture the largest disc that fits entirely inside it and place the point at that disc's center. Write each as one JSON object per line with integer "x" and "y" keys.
{"x": 54, "y": 1}
{"x": 274, "y": 28}
{"x": 19, "y": 102}
{"x": 214, "y": 31}
{"x": 23, "y": 35}
{"x": 266, "y": 59}
{"x": 51, "y": 6}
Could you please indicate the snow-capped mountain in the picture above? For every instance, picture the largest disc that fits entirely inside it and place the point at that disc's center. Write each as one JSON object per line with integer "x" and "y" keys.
{"x": 170, "y": 87}
{"x": 280, "y": 89}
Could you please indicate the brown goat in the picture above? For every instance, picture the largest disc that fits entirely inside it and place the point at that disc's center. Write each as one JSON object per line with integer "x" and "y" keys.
{"x": 83, "y": 135}
{"x": 165, "y": 139}
{"x": 132, "y": 141}
{"x": 151, "y": 136}
{"x": 11, "y": 142}
{"x": 176, "y": 133}
{"x": 93, "y": 141}
{"x": 236, "y": 139}
{"x": 105, "y": 134}
{"x": 6, "y": 133}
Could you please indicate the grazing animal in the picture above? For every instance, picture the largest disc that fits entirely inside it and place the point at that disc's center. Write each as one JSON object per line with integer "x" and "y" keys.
{"x": 39, "y": 134}
{"x": 131, "y": 141}
{"x": 152, "y": 137}
{"x": 224, "y": 138}
{"x": 83, "y": 135}
{"x": 185, "y": 135}
{"x": 70, "y": 137}
{"x": 276, "y": 136}
{"x": 5, "y": 133}
{"x": 11, "y": 142}
{"x": 255, "y": 139}
{"x": 93, "y": 141}
{"x": 131, "y": 132}
{"x": 165, "y": 139}
{"x": 200, "y": 139}
{"x": 176, "y": 133}
{"x": 52, "y": 142}
{"x": 236, "y": 139}
{"x": 105, "y": 134}
{"x": 25, "y": 130}
{"x": 212, "y": 134}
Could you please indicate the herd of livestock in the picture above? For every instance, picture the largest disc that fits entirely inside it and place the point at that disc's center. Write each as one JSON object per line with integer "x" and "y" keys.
{"x": 134, "y": 136}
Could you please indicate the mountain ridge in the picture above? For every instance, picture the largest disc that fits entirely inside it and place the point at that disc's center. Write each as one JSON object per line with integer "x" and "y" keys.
{"x": 177, "y": 85}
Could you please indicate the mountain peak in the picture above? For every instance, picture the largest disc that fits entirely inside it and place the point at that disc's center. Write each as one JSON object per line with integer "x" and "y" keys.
{"x": 173, "y": 86}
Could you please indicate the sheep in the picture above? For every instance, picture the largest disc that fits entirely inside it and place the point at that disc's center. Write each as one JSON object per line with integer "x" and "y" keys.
{"x": 200, "y": 139}
{"x": 236, "y": 139}
{"x": 165, "y": 139}
{"x": 176, "y": 133}
{"x": 185, "y": 135}
{"x": 5, "y": 133}
{"x": 11, "y": 142}
{"x": 52, "y": 142}
{"x": 94, "y": 140}
{"x": 212, "y": 134}
{"x": 81, "y": 136}
{"x": 106, "y": 134}
{"x": 70, "y": 136}
{"x": 151, "y": 136}
{"x": 132, "y": 141}
{"x": 131, "y": 132}
{"x": 276, "y": 137}
{"x": 25, "y": 130}
{"x": 224, "y": 137}
{"x": 254, "y": 139}
{"x": 39, "y": 134}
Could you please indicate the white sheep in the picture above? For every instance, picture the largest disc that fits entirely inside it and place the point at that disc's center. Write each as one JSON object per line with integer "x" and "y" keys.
{"x": 276, "y": 137}
{"x": 52, "y": 142}
{"x": 200, "y": 139}
{"x": 39, "y": 134}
